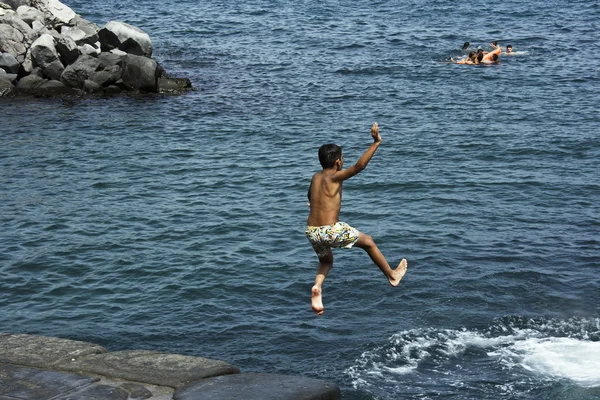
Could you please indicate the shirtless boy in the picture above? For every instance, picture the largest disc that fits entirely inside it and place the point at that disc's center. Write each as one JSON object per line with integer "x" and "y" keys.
{"x": 470, "y": 59}
{"x": 325, "y": 231}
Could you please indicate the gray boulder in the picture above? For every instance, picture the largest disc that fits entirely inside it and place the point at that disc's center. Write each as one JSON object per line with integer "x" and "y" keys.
{"x": 141, "y": 73}
{"x": 127, "y": 38}
{"x": 5, "y": 77}
{"x": 105, "y": 70}
{"x": 89, "y": 50}
{"x": 82, "y": 31}
{"x": 123, "y": 86}
{"x": 151, "y": 367}
{"x": 132, "y": 46}
{"x": 7, "y": 88}
{"x": 30, "y": 82}
{"x": 66, "y": 47}
{"x": 75, "y": 74}
{"x": 259, "y": 386}
{"x": 12, "y": 42}
{"x": 112, "y": 89}
{"x": 37, "y": 26}
{"x": 37, "y": 71}
{"x": 89, "y": 29}
{"x": 109, "y": 59}
{"x": 91, "y": 86}
{"x": 14, "y": 4}
{"x": 30, "y": 14}
{"x": 56, "y": 13}
{"x": 118, "y": 52}
{"x": 108, "y": 76}
{"x": 53, "y": 88}
{"x": 173, "y": 85}
{"x": 27, "y": 64}
{"x": 74, "y": 33}
{"x": 9, "y": 63}
{"x": 42, "y": 352}
{"x": 12, "y": 78}
{"x": 45, "y": 55}
{"x": 20, "y": 25}
{"x": 6, "y": 10}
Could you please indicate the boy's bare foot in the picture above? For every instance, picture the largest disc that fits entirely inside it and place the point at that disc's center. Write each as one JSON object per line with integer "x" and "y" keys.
{"x": 317, "y": 302}
{"x": 399, "y": 272}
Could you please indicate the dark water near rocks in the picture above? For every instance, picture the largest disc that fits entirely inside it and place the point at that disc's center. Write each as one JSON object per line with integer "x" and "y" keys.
{"x": 177, "y": 223}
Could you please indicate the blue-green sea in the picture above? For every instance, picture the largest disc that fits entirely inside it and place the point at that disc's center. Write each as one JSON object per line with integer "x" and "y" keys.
{"x": 176, "y": 223}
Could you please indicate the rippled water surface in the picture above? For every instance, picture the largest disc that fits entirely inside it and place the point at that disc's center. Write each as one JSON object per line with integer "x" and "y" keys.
{"x": 177, "y": 223}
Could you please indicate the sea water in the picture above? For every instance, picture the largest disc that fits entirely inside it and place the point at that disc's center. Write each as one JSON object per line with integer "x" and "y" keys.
{"x": 176, "y": 223}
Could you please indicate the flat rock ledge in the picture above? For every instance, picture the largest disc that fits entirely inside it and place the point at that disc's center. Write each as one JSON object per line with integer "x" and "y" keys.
{"x": 38, "y": 367}
{"x": 46, "y": 49}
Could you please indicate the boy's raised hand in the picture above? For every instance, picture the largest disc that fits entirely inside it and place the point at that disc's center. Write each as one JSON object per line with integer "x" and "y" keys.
{"x": 375, "y": 133}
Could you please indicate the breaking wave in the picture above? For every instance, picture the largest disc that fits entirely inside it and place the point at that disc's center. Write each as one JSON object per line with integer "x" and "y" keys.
{"x": 513, "y": 355}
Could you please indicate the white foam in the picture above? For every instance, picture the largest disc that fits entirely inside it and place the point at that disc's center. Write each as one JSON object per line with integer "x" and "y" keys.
{"x": 530, "y": 353}
{"x": 402, "y": 370}
{"x": 567, "y": 358}
{"x": 515, "y": 53}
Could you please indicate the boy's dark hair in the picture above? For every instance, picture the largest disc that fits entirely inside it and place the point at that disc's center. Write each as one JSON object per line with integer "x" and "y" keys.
{"x": 466, "y": 45}
{"x": 329, "y": 154}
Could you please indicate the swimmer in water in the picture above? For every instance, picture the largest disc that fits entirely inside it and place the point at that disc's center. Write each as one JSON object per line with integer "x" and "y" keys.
{"x": 481, "y": 57}
{"x": 466, "y": 46}
{"x": 470, "y": 59}
{"x": 509, "y": 49}
{"x": 491, "y": 57}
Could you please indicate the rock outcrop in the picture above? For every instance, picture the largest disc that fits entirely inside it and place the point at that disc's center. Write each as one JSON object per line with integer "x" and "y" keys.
{"x": 36, "y": 367}
{"x": 46, "y": 48}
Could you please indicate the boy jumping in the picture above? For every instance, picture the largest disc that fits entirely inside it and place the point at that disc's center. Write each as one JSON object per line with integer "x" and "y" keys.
{"x": 325, "y": 231}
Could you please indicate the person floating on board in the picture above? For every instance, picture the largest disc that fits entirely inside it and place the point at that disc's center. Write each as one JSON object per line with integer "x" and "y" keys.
{"x": 325, "y": 231}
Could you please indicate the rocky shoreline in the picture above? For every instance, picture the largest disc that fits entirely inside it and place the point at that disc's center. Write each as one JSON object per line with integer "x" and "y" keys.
{"x": 47, "y": 49}
{"x": 37, "y": 367}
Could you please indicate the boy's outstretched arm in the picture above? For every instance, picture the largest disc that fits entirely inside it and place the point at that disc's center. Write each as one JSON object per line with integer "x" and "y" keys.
{"x": 363, "y": 160}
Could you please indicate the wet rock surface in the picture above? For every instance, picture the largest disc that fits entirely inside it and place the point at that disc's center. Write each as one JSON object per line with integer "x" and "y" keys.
{"x": 37, "y": 367}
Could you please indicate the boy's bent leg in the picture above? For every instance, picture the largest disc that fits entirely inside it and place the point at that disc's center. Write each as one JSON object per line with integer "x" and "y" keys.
{"x": 325, "y": 264}
{"x": 367, "y": 243}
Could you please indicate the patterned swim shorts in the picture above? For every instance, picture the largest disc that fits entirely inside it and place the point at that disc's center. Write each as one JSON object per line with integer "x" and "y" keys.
{"x": 323, "y": 238}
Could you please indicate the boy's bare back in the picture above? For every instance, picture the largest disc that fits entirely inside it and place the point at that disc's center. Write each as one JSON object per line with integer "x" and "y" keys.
{"x": 325, "y": 199}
